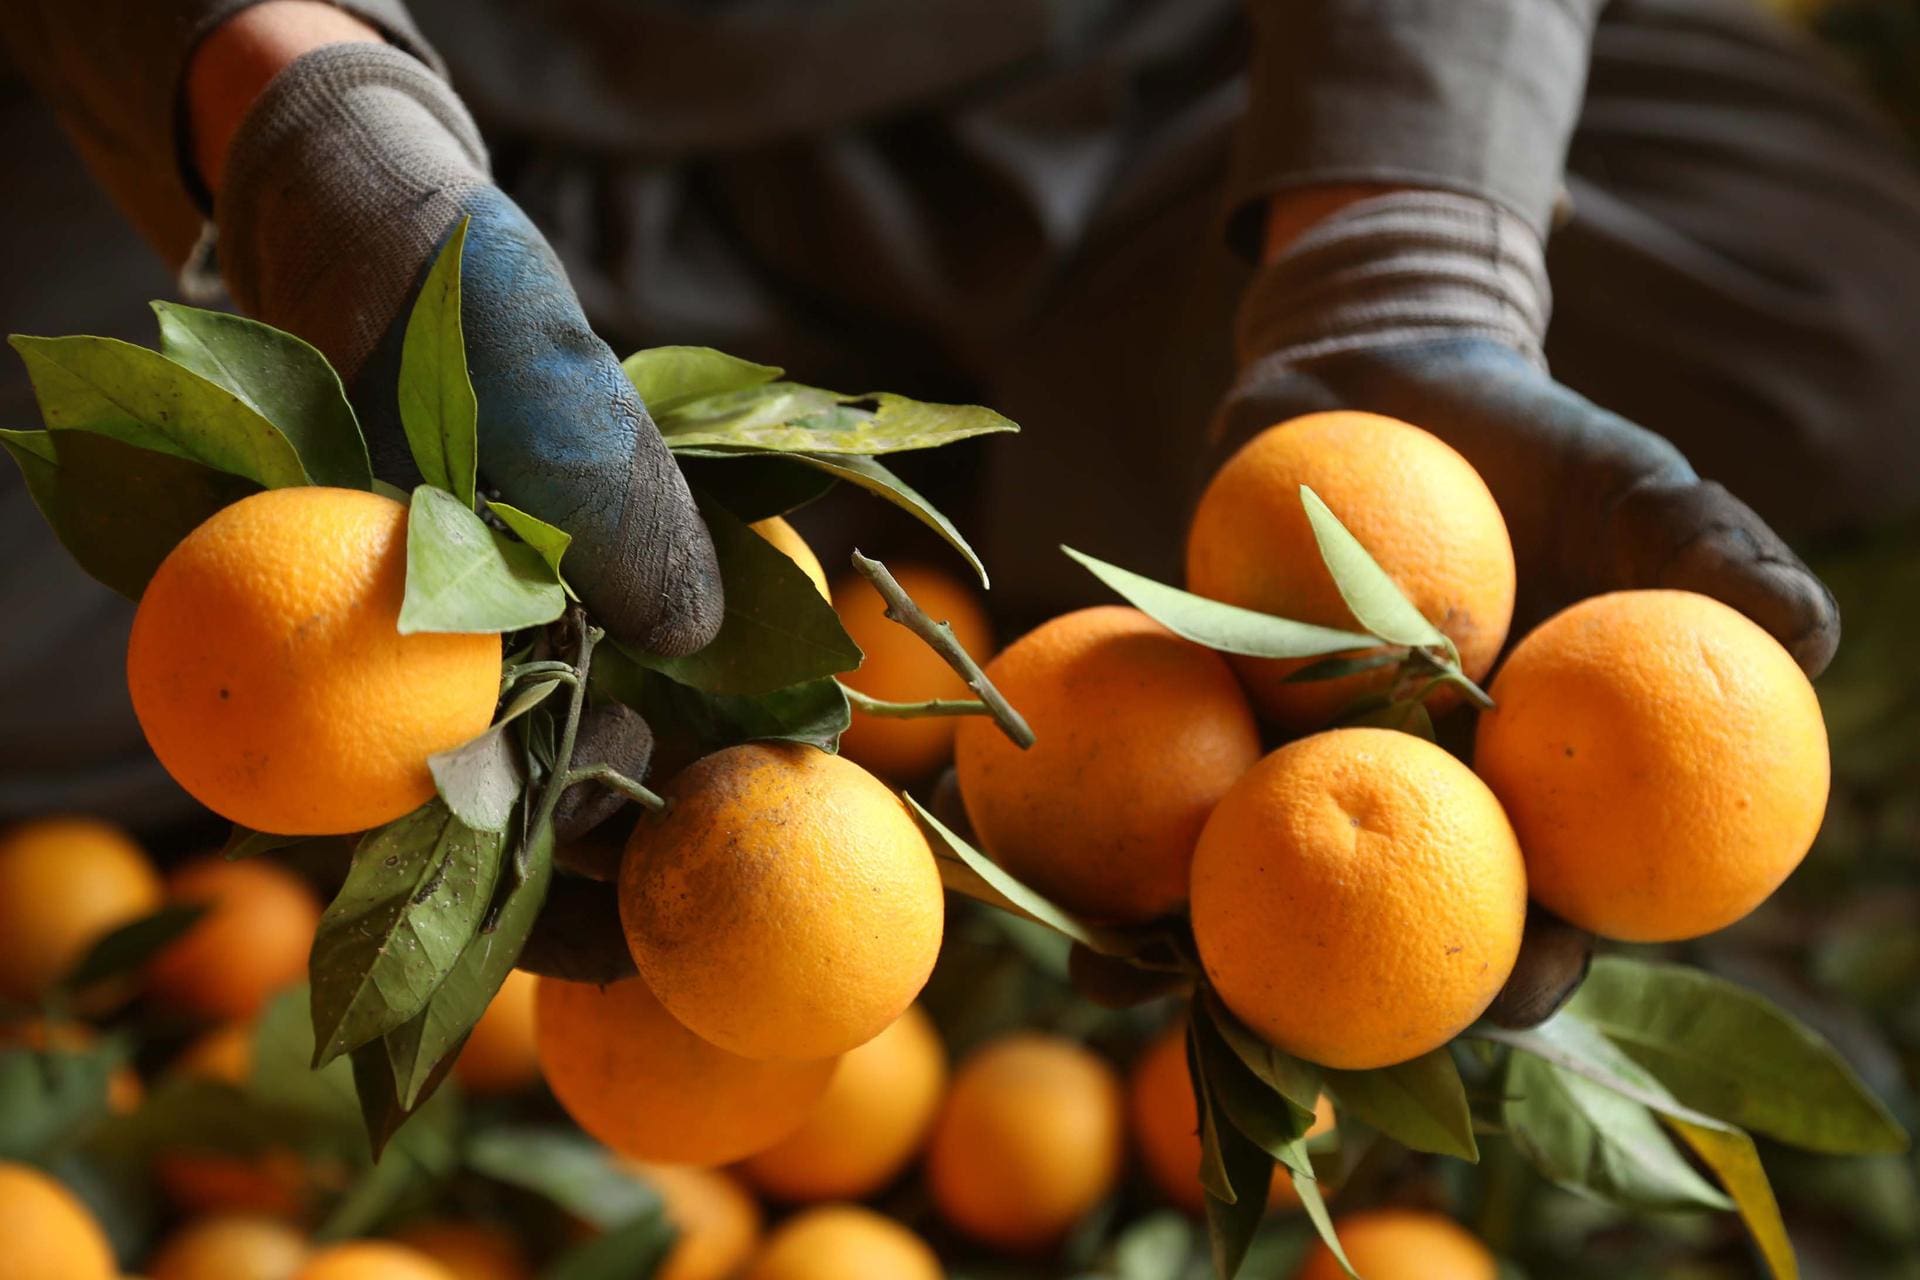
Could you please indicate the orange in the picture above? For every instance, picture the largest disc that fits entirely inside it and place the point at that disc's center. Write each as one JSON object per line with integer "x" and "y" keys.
{"x": 124, "y": 1090}
{"x": 500, "y": 1055}
{"x": 1419, "y": 507}
{"x": 844, "y": 1242}
{"x": 1166, "y": 1125}
{"x": 251, "y": 944}
{"x": 1401, "y": 1244}
{"x": 1139, "y": 735}
{"x": 269, "y": 674}
{"x": 224, "y": 1054}
{"x": 64, "y": 883}
{"x": 1664, "y": 761}
{"x": 649, "y": 1088}
{"x": 1030, "y": 1139}
{"x": 468, "y": 1250}
{"x": 788, "y": 542}
{"x": 49, "y": 1233}
{"x": 372, "y": 1260}
{"x": 898, "y": 666}
{"x": 230, "y": 1247}
{"x": 1358, "y": 898}
{"x": 785, "y": 906}
{"x": 717, "y": 1221}
{"x": 873, "y": 1119}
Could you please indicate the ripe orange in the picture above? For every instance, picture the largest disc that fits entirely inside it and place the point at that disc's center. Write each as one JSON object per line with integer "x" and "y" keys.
{"x": 250, "y": 945}
{"x": 49, "y": 1233}
{"x": 844, "y": 1242}
{"x": 1663, "y": 759}
{"x": 1358, "y": 898}
{"x": 649, "y": 1088}
{"x": 1415, "y": 504}
{"x": 717, "y": 1221}
{"x": 1139, "y": 734}
{"x": 1030, "y": 1139}
{"x": 1402, "y": 1244}
{"x": 269, "y": 674}
{"x": 1166, "y": 1125}
{"x": 468, "y": 1250}
{"x": 372, "y": 1260}
{"x": 124, "y": 1090}
{"x": 501, "y": 1056}
{"x": 788, "y": 542}
{"x": 64, "y": 883}
{"x": 874, "y": 1117}
{"x": 230, "y": 1247}
{"x": 224, "y": 1054}
{"x": 786, "y": 906}
{"x": 899, "y": 667}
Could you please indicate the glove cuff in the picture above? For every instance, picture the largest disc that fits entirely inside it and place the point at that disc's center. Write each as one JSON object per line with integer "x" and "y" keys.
{"x": 341, "y": 182}
{"x": 1397, "y": 269}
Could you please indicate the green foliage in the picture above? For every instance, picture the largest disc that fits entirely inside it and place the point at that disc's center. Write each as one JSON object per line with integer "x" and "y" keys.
{"x": 573, "y": 1171}
{"x": 671, "y": 378}
{"x": 481, "y": 781}
{"x": 550, "y": 542}
{"x": 785, "y": 417}
{"x": 754, "y": 486}
{"x": 437, "y": 406}
{"x": 50, "y": 1098}
{"x": 691, "y": 722}
{"x": 125, "y": 949}
{"x": 878, "y": 480}
{"x": 465, "y": 576}
{"x": 1420, "y": 1104}
{"x": 1374, "y": 599}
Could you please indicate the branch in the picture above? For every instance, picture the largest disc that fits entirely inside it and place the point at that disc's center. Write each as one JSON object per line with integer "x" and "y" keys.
{"x": 914, "y": 710}
{"x": 608, "y": 776}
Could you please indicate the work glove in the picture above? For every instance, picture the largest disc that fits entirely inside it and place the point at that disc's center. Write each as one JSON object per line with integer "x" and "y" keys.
{"x": 346, "y": 177}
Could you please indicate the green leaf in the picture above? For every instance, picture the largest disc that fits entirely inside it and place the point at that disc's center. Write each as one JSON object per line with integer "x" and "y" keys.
{"x": 322, "y": 1102}
{"x": 1225, "y": 627}
{"x": 481, "y": 779}
{"x": 1315, "y": 1205}
{"x": 777, "y": 631}
{"x": 1153, "y": 1248}
{"x": 1339, "y": 668}
{"x": 281, "y": 378}
{"x": 1420, "y": 1104}
{"x": 1262, "y": 1115}
{"x": 565, "y": 1167}
{"x": 785, "y": 417}
{"x": 420, "y": 1149}
{"x": 414, "y": 897}
{"x": 463, "y": 576}
{"x": 1374, "y": 598}
{"x": 137, "y": 396}
{"x": 754, "y": 486}
{"x": 635, "y": 1248}
{"x": 550, "y": 542}
{"x": 1296, "y": 1081}
{"x": 1236, "y": 1200}
{"x": 1735, "y": 1055}
{"x": 1733, "y": 1159}
{"x": 669, "y": 378}
{"x": 1407, "y": 717}
{"x": 131, "y": 945}
{"x": 815, "y": 713}
{"x": 116, "y": 508}
{"x": 47, "y": 1099}
{"x": 437, "y": 406}
{"x": 964, "y": 869}
{"x": 876, "y": 479}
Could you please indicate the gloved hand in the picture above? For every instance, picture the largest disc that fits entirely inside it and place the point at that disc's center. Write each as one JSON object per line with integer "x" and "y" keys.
{"x": 1430, "y": 307}
{"x": 346, "y": 177}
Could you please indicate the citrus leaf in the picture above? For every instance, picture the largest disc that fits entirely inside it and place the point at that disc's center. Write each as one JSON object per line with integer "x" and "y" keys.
{"x": 1735, "y": 1055}
{"x": 481, "y": 779}
{"x": 754, "y": 486}
{"x": 634, "y": 1248}
{"x": 1733, "y": 1159}
{"x": 1153, "y": 1248}
{"x": 281, "y": 378}
{"x": 413, "y": 1151}
{"x": 1420, "y": 1104}
{"x": 698, "y": 723}
{"x": 414, "y": 896}
{"x": 438, "y": 411}
{"x": 669, "y": 378}
{"x": 1225, "y": 627}
{"x": 1296, "y": 1081}
{"x": 785, "y": 417}
{"x": 1339, "y": 668}
{"x": 1407, "y": 717}
{"x": 116, "y": 508}
{"x": 130, "y": 946}
{"x": 465, "y": 577}
{"x": 1315, "y": 1205}
{"x": 113, "y": 388}
{"x": 1374, "y": 598}
{"x": 964, "y": 869}
{"x": 49, "y": 1098}
{"x": 876, "y": 479}
{"x": 322, "y": 1102}
{"x": 1242, "y": 1173}
{"x": 1262, "y": 1115}
{"x": 777, "y": 631}
{"x": 563, "y": 1166}
{"x": 1215, "y": 1180}
{"x": 550, "y": 542}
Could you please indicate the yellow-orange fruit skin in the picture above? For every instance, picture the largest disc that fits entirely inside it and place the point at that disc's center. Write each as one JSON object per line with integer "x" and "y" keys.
{"x": 230, "y": 1247}
{"x": 898, "y": 666}
{"x": 49, "y": 1233}
{"x": 1138, "y": 734}
{"x": 1358, "y": 898}
{"x": 640, "y": 1082}
{"x": 251, "y": 944}
{"x": 469, "y": 1250}
{"x": 269, "y": 675}
{"x": 372, "y": 1260}
{"x": 501, "y": 1056}
{"x": 844, "y": 1242}
{"x": 1663, "y": 759}
{"x": 1414, "y": 503}
{"x": 873, "y": 1119}
{"x": 785, "y": 906}
{"x": 788, "y": 542}
{"x": 64, "y": 883}
{"x": 717, "y": 1221}
{"x": 1166, "y": 1126}
{"x": 1030, "y": 1138}
{"x": 1401, "y": 1244}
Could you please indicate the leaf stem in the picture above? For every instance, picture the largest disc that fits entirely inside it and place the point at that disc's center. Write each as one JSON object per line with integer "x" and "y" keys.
{"x": 608, "y": 776}
{"x": 563, "y": 755}
{"x": 553, "y": 670}
{"x": 914, "y": 710}
{"x": 940, "y": 638}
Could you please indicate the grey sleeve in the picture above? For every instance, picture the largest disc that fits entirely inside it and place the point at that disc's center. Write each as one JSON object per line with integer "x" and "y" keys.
{"x": 113, "y": 71}
{"x": 1477, "y": 97}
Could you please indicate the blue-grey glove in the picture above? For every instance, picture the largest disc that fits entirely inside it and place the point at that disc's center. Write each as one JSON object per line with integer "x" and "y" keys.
{"x": 345, "y": 179}
{"x": 1430, "y": 308}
